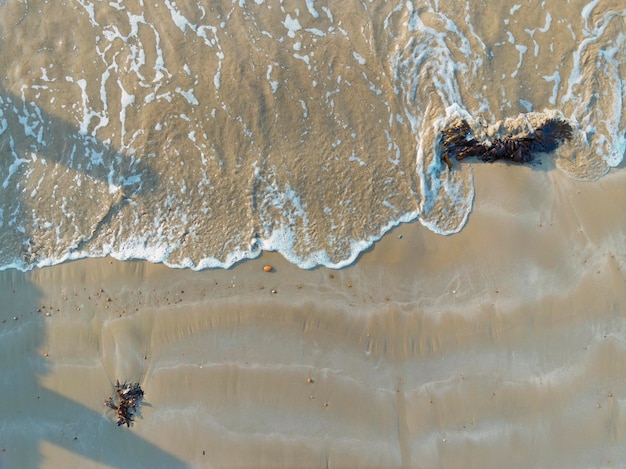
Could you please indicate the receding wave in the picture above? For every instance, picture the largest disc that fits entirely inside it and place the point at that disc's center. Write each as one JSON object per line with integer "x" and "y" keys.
{"x": 201, "y": 133}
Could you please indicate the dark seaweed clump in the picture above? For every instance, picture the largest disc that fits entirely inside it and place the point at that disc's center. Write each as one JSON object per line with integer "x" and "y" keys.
{"x": 458, "y": 142}
{"x": 129, "y": 395}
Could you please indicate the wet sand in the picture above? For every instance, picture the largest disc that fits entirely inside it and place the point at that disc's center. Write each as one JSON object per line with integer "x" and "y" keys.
{"x": 501, "y": 346}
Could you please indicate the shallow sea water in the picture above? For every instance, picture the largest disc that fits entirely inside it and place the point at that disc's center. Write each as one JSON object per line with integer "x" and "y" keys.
{"x": 200, "y": 133}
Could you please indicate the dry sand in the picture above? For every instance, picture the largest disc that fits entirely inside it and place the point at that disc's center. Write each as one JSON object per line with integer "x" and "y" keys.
{"x": 501, "y": 346}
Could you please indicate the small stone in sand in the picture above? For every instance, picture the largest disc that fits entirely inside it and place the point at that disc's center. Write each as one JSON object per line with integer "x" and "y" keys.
{"x": 310, "y": 380}
{"x": 268, "y": 268}
{"x": 274, "y": 291}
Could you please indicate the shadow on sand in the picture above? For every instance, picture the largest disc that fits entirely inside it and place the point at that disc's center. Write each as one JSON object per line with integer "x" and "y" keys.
{"x": 33, "y": 415}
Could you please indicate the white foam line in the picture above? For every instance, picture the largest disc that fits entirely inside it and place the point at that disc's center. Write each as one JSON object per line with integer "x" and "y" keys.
{"x": 359, "y": 58}
{"x": 310, "y": 5}
{"x": 268, "y": 76}
{"x": 87, "y": 115}
{"x": 36, "y": 189}
{"x": 218, "y": 73}
{"x": 556, "y": 78}
{"x": 292, "y": 25}
{"x": 315, "y": 31}
{"x": 329, "y": 14}
{"x": 188, "y": 95}
{"x": 304, "y": 108}
{"x": 304, "y": 58}
{"x": 522, "y": 50}
{"x": 179, "y": 19}
{"x": 126, "y": 100}
{"x": 395, "y": 10}
{"x": 587, "y": 9}
{"x": 592, "y": 36}
{"x": 89, "y": 8}
{"x": 201, "y": 31}
{"x": 547, "y": 25}
{"x": 159, "y": 65}
{"x": 3, "y": 123}
{"x": 612, "y": 123}
{"x": 17, "y": 162}
{"x": 23, "y": 119}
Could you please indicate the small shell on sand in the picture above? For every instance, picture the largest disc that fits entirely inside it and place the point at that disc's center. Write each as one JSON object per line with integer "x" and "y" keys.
{"x": 268, "y": 268}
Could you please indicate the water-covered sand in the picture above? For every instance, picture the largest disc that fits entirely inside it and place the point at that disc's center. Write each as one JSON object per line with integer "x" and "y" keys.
{"x": 201, "y": 133}
{"x": 502, "y": 346}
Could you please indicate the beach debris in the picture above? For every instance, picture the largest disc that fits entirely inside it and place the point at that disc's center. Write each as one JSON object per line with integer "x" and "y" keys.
{"x": 268, "y": 268}
{"x": 457, "y": 141}
{"x": 129, "y": 396}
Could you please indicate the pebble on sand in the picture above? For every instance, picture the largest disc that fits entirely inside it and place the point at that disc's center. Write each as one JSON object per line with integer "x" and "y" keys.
{"x": 268, "y": 268}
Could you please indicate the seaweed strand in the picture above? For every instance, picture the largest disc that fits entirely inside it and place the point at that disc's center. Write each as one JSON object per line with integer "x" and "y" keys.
{"x": 129, "y": 396}
{"x": 458, "y": 142}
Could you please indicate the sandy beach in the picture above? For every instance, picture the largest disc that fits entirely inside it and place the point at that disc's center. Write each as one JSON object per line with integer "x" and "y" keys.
{"x": 501, "y": 346}
{"x": 486, "y": 330}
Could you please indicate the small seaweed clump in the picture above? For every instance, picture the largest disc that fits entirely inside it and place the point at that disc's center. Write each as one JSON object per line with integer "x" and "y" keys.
{"x": 458, "y": 142}
{"x": 129, "y": 395}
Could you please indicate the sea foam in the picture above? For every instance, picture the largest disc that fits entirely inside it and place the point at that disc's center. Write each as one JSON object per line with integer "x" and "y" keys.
{"x": 202, "y": 138}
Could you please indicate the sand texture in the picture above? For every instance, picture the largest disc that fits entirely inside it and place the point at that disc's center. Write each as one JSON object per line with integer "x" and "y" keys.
{"x": 501, "y": 346}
